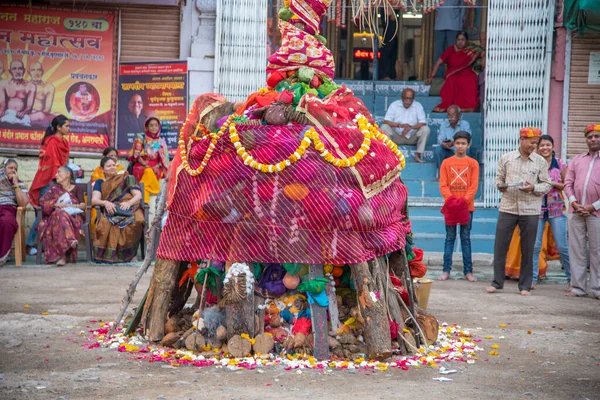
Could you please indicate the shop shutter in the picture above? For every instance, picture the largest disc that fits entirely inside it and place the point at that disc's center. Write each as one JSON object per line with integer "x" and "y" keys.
{"x": 584, "y": 99}
{"x": 149, "y": 33}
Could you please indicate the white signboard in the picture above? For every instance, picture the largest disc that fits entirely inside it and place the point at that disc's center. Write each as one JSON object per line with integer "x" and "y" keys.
{"x": 594, "y": 71}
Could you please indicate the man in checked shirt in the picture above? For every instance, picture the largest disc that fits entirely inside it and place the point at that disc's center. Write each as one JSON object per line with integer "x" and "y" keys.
{"x": 582, "y": 185}
{"x": 523, "y": 180}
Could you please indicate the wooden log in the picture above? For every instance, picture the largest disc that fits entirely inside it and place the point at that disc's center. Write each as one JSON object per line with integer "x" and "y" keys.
{"x": 373, "y": 311}
{"x": 180, "y": 295}
{"x": 318, "y": 316}
{"x": 137, "y": 317}
{"x": 396, "y": 315}
{"x": 158, "y": 299}
{"x": 239, "y": 316}
{"x": 152, "y": 239}
{"x": 334, "y": 313}
{"x": 260, "y": 314}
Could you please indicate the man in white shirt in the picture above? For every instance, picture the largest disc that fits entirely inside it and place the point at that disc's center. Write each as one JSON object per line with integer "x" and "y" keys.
{"x": 405, "y": 123}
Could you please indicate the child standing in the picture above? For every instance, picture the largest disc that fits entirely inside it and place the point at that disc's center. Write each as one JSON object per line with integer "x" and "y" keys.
{"x": 459, "y": 179}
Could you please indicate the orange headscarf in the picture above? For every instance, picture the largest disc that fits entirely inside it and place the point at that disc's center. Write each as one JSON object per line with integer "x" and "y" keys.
{"x": 591, "y": 128}
{"x": 529, "y": 132}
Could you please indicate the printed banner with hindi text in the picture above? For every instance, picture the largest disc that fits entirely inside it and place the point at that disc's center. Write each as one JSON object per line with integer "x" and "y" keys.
{"x": 56, "y": 62}
{"x": 151, "y": 89}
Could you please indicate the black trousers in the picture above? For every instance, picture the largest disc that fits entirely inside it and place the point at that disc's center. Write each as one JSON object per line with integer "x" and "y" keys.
{"x": 505, "y": 227}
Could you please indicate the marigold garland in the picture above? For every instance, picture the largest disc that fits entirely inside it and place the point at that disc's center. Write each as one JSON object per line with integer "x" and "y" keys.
{"x": 311, "y": 136}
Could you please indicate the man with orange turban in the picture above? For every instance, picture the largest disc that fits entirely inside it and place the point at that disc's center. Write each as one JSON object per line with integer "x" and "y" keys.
{"x": 582, "y": 185}
{"x": 523, "y": 180}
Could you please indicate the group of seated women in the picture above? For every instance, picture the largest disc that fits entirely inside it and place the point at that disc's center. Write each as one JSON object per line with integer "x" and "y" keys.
{"x": 116, "y": 230}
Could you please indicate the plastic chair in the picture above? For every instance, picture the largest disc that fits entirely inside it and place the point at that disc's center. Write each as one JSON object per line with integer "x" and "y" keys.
{"x": 20, "y": 253}
{"x": 85, "y": 227}
{"x": 143, "y": 205}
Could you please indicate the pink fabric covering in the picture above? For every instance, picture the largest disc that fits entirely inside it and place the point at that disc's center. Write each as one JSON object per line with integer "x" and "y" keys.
{"x": 300, "y": 49}
{"x": 312, "y": 212}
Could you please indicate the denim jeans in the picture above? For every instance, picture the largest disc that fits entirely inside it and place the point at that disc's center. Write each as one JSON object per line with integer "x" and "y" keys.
{"x": 558, "y": 225}
{"x": 33, "y": 235}
{"x": 441, "y": 154}
{"x": 465, "y": 242}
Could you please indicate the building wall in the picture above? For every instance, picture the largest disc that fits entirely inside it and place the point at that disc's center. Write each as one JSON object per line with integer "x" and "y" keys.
{"x": 557, "y": 78}
{"x": 197, "y": 45}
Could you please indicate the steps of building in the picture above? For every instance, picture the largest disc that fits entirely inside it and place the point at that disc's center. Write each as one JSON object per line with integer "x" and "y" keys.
{"x": 425, "y": 200}
{"x": 429, "y": 229}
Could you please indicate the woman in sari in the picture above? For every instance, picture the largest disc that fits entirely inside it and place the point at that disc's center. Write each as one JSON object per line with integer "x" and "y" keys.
{"x": 98, "y": 174}
{"x": 54, "y": 153}
{"x": 150, "y": 158}
{"x": 59, "y": 229}
{"x": 464, "y": 62}
{"x": 12, "y": 195}
{"x": 120, "y": 226}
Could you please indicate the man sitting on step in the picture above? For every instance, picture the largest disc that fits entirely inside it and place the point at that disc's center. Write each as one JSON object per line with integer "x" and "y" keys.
{"x": 405, "y": 123}
{"x": 452, "y": 125}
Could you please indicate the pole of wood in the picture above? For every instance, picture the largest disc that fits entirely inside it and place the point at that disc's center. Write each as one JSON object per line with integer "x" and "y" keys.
{"x": 154, "y": 229}
{"x": 373, "y": 311}
{"x": 156, "y": 308}
{"x": 318, "y": 317}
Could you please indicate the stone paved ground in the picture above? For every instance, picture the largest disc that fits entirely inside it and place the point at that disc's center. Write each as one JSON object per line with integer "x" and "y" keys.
{"x": 41, "y": 355}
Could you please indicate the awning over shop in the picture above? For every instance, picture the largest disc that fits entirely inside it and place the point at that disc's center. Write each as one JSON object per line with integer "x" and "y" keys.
{"x": 582, "y": 15}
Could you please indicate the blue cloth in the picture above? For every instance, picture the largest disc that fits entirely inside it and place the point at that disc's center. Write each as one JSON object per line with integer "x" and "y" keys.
{"x": 33, "y": 235}
{"x": 98, "y": 185}
{"x": 465, "y": 242}
{"x": 287, "y": 315}
{"x": 450, "y": 16}
{"x": 559, "y": 231}
{"x": 447, "y": 132}
{"x": 321, "y": 299}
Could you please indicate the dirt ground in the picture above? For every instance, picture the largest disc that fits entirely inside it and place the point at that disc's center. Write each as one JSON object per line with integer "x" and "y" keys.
{"x": 41, "y": 356}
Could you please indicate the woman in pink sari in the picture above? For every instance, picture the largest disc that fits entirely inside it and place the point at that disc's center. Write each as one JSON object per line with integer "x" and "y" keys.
{"x": 59, "y": 229}
{"x": 463, "y": 62}
{"x": 150, "y": 157}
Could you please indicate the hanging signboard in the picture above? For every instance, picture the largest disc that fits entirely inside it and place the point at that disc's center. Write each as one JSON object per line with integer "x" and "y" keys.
{"x": 56, "y": 62}
{"x": 157, "y": 89}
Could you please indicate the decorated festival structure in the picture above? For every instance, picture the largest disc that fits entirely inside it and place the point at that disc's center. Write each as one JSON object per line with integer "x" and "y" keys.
{"x": 288, "y": 216}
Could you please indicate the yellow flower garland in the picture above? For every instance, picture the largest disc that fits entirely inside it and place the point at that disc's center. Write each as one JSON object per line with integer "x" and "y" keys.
{"x": 311, "y": 136}
{"x": 211, "y": 147}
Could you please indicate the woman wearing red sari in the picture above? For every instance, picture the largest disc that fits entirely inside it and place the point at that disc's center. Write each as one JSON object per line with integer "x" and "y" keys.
{"x": 54, "y": 153}
{"x": 59, "y": 229}
{"x": 463, "y": 63}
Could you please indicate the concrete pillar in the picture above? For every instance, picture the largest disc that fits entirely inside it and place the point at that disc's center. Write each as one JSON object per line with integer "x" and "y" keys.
{"x": 198, "y": 45}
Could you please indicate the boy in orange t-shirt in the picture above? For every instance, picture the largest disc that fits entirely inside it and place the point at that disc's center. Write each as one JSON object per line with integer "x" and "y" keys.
{"x": 459, "y": 177}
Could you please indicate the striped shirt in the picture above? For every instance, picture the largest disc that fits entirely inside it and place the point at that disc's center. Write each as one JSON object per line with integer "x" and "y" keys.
{"x": 513, "y": 169}
{"x": 8, "y": 196}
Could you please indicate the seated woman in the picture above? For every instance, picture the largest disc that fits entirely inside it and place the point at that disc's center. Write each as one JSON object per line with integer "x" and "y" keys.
{"x": 98, "y": 174}
{"x": 12, "y": 195}
{"x": 61, "y": 222}
{"x": 120, "y": 226}
{"x": 109, "y": 152}
{"x": 464, "y": 61}
{"x": 150, "y": 158}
